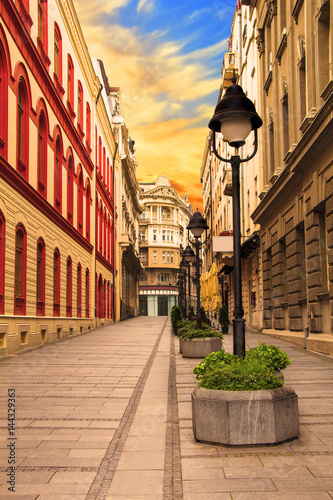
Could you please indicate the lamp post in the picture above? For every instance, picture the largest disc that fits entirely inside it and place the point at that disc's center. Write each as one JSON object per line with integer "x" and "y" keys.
{"x": 189, "y": 257}
{"x": 197, "y": 225}
{"x": 183, "y": 268}
{"x": 235, "y": 116}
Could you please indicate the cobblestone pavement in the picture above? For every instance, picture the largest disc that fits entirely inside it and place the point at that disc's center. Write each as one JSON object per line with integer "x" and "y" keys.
{"x": 107, "y": 415}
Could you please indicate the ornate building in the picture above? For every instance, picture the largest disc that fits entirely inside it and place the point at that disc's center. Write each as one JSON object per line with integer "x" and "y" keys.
{"x": 287, "y": 193}
{"x": 57, "y": 150}
{"x": 162, "y": 238}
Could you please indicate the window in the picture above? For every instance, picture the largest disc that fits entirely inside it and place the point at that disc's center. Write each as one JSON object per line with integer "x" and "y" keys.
{"x": 168, "y": 235}
{"x": 42, "y": 154}
{"x": 40, "y": 282}
{"x": 100, "y": 228}
{"x": 69, "y": 287}
{"x": 155, "y": 257}
{"x": 22, "y": 129}
{"x": 87, "y": 293}
{"x": 80, "y": 108}
{"x": 163, "y": 234}
{"x": 105, "y": 234}
{"x": 79, "y": 290}
{"x": 80, "y": 203}
{"x": 104, "y": 165}
{"x": 142, "y": 235}
{"x": 108, "y": 235}
{"x": 164, "y": 257}
{"x": 70, "y": 87}
{"x": 2, "y": 262}
{"x": 3, "y": 102}
{"x": 172, "y": 258}
{"x": 42, "y": 26}
{"x": 165, "y": 277}
{"x": 88, "y": 128}
{"x": 57, "y": 54}
{"x": 56, "y": 283}
{"x": 70, "y": 193}
{"x": 171, "y": 236}
{"x": 20, "y": 270}
{"x": 168, "y": 257}
{"x": 88, "y": 211}
{"x": 143, "y": 277}
{"x": 58, "y": 174}
{"x": 154, "y": 235}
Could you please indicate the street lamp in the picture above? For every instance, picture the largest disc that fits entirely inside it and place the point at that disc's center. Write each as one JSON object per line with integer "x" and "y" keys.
{"x": 189, "y": 256}
{"x": 197, "y": 225}
{"x": 183, "y": 268}
{"x": 235, "y": 116}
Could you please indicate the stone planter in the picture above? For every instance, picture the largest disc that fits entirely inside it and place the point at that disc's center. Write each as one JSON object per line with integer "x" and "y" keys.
{"x": 200, "y": 348}
{"x": 245, "y": 417}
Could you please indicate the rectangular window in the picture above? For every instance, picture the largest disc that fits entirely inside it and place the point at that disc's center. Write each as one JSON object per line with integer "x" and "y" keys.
{"x": 155, "y": 235}
{"x": 164, "y": 257}
{"x": 168, "y": 257}
{"x": 171, "y": 257}
{"x": 155, "y": 257}
{"x": 163, "y": 234}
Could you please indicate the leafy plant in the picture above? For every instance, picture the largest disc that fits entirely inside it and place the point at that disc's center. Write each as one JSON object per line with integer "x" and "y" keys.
{"x": 224, "y": 316}
{"x": 271, "y": 355}
{"x": 244, "y": 375}
{"x": 188, "y": 330}
{"x": 214, "y": 361}
{"x": 204, "y": 318}
{"x": 223, "y": 371}
{"x": 176, "y": 317}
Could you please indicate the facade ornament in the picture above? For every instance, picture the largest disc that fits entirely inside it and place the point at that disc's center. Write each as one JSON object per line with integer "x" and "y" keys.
{"x": 260, "y": 39}
{"x": 271, "y": 8}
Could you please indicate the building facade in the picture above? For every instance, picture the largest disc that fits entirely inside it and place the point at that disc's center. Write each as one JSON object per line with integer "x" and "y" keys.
{"x": 286, "y": 190}
{"x": 162, "y": 238}
{"x": 57, "y": 150}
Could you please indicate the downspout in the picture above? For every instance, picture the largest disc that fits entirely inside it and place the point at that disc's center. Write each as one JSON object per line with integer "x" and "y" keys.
{"x": 114, "y": 232}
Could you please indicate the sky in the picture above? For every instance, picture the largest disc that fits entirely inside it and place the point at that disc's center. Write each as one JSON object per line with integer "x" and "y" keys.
{"x": 166, "y": 57}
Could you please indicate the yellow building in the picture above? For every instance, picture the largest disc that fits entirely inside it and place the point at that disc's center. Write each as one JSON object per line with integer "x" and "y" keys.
{"x": 162, "y": 238}
{"x": 57, "y": 150}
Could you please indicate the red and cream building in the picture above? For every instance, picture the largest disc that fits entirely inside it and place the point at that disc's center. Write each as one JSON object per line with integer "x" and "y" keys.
{"x": 57, "y": 151}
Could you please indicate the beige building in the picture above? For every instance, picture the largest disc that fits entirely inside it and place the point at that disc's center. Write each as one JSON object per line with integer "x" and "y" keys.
{"x": 162, "y": 236}
{"x": 286, "y": 190}
{"x": 57, "y": 150}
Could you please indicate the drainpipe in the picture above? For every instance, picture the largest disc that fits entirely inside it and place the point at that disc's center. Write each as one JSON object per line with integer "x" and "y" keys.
{"x": 114, "y": 232}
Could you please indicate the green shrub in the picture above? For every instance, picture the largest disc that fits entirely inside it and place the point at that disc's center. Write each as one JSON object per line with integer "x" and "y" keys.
{"x": 214, "y": 361}
{"x": 241, "y": 376}
{"x": 224, "y": 316}
{"x": 271, "y": 355}
{"x": 223, "y": 371}
{"x": 188, "y": 330}
{"x": 176, "y": 317}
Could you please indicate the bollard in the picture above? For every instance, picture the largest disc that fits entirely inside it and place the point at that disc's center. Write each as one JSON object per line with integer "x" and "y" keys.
{"x": 306, "y": 334}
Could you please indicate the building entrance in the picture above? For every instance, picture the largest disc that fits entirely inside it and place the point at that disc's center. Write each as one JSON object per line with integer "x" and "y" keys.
{"x": 163, "y": 306}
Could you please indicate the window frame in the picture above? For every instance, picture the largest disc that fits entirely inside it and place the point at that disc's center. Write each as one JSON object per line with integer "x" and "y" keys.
{"x": 40, "y": 278}
{"x": 2, "y": 261}
{"x": 69, "y": 283}
{"x": 79, "y": 290}
{"x": 20, "y": 276}
{"x": 56, "y": 282}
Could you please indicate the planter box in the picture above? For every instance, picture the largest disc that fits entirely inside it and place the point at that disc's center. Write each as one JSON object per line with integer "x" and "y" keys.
{"x": 245, "y": 417}
{"x": 200, "y": 348}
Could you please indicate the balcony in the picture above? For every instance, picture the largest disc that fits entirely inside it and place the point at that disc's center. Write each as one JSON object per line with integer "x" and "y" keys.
{"x": 228, "y": 68}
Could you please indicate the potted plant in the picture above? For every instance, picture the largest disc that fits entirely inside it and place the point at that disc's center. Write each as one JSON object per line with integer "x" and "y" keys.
{"x": 198, "y": 343}
{"x": 244, "y": 401}
{"x": 224, "y": 319}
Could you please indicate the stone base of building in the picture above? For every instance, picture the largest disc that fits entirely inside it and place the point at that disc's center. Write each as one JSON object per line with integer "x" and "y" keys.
{"x": 245, "y": 417}
{"x": 317, "y": 342}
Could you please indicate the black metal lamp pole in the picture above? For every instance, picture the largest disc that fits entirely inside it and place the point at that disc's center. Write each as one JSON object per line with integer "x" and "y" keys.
{"x": 235, "y": 116}
{"x": 189, "y": 256}
{"x": 197, "y": 225}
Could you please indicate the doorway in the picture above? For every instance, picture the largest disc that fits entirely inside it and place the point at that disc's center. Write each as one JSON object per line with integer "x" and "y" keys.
{"x": 163, "y": 306}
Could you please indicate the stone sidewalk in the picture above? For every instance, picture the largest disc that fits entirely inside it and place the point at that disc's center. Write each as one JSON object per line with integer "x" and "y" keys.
{"x": 107, "y": 415}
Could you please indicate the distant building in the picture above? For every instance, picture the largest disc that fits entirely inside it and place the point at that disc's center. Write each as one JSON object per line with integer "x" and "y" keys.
{"x": 162, "y": 237}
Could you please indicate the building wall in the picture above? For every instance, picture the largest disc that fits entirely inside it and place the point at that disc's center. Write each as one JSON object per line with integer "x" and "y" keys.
{"x": 57, "y": 216}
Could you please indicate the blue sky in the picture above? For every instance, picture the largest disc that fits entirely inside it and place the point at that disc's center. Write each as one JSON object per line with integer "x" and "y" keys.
{"x": 166, "y": 57}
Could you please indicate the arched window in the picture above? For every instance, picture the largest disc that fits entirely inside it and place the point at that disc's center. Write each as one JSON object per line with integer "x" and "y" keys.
{"x": 57, "y": 54}
{"x": 88, "y": 211}
{"x": 99, "y": 166}
{"x": 87, "y": 293}
{"x": 108, "y": 232}
{"x": 42, "y": 154}
{"x": 104, "y": 299}
{"x": 100, "y": 298}
{"x": 112, "y": 242}
{"x": 104, "y": 165}
{"x": 88, "y": 128}
{"x": 143, "y": 277}
{"x": 165, "y": 277}
{"x": 2, "y": 262}
{"x": 70, "y": 189}
{"x": 20, "y": 270}
{"x": 108, "y": 174}
{"x": 69, "y": 287}
{"x": 40, "y": 281}
{"x": 79, "y": 290}
{"x": 100, "y": 237}
{"x": 3, "y": 102}
{"x": 42, "y": 26}
{"x": 80, "y": 109}
{"x": 70, "y": 87}
{"x": 108, "y": 300}
{"x": 80, "y": 203}
{"x": 22, "y": 129}
{"x": 105, "y": 233}
{"x": 58, "y": 174}
{"x": 56, "y": 283}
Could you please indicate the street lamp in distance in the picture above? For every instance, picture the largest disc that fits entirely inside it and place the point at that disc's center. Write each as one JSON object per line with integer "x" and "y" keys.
{"x": 197, "y": 225}
{"x": 189, "y": 257}
{"x": 235, "y": 117}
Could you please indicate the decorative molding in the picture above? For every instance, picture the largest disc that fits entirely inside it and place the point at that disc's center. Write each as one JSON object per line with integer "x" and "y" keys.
{"x": 260, "y": 39}
{"x": 296, "y": 10}
{"x": 328, "y": 90}
{"x": 282, "y": 46}
{"x": 308, "y": 120}
{"x": 268, "y": 81}
{"x": 271, "y": 9}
